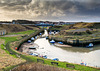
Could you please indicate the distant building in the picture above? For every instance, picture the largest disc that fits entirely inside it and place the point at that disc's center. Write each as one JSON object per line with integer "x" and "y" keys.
{"x": 2, "y": 32}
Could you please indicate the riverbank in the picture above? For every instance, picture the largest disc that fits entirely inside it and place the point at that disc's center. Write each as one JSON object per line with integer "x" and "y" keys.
{"x": 8, "y": 57}
{"x": 74, "y": 42}
{"x": 62, "y": 45}
{"x": 80, "y": 34}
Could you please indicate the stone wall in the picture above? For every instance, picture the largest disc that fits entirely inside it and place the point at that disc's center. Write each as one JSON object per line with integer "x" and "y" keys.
{"x": 76, "y": 42}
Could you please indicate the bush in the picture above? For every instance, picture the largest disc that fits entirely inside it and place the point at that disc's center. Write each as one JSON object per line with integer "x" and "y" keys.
{"x": 88, "y": 31}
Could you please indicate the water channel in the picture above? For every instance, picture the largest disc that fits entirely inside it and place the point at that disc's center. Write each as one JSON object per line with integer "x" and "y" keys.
{"x": 72, "y": 55}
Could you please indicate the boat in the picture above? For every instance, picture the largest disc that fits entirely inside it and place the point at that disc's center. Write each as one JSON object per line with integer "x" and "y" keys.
{"x": 52, "y": 41}
{"x": 90, "y": 45}
{"x": 56, "y": 59}
{"x": 34, "y": 54}
{"x": 29, "y": 41}
{"x": 60, "y": 42}
{"x": 46, "y": 37}
{"x": 45, "y": 57}
{"x": 83, "y": 63}
{"x": 32, "y": 47}
{"x": 35, "y": 37}
{"x": 40, "y": 33}
{"x": 32, "y": 39}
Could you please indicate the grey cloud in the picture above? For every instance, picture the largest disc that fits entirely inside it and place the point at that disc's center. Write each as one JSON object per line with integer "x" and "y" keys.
{"x": 14, "y": 2}
{"x": 54, "y": 8}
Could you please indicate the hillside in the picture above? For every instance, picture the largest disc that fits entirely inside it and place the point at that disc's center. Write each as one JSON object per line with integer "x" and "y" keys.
{"x": 38, "y": 67}
{"x": 84, "y": 25}
{"x": 17, "y": 28}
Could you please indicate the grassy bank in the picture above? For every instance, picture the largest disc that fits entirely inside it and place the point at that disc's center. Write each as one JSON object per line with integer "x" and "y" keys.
{"x": 24, "y": 32}
{"x": 8, "y": 59}
{"x": 80, "y": 34}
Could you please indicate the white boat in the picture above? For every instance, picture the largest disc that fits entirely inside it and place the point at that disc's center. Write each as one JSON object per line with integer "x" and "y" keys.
{"x": 52, "y": 41}
{"x": 32, "y": 38}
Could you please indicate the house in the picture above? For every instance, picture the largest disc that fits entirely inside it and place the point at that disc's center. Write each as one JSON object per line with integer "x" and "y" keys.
{"x": 2, "y": 32}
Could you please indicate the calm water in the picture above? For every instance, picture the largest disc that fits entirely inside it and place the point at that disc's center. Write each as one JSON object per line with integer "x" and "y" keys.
{"x": 73, "y": 55}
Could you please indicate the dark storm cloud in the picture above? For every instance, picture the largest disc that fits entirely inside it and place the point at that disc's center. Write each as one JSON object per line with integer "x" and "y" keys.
{"x": 54, "y": 8}
{"x": 14, "y": 2}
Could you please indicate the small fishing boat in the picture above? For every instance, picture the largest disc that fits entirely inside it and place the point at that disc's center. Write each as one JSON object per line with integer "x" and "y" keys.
{"x": 90, "y": 45}
{"x": 35, "y": 37}
{"x": 32, "y": 47}
{"x": 60, "y": 42}
{"x": 56, "y": 59}
{"x": 40, "y": 33}
{"x": 29, "y": 41}
{"x": 34, "y": 54}
{"x": 46, "y": 37}
{"x": 32, "y": 38}
{"x": 45, "y": 57}
{"x": 52, "y": 41}
{"x": 83, "y": 63}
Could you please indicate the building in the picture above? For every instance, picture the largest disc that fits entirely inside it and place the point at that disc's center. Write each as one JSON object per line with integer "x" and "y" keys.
{"x": 2, "y": 32}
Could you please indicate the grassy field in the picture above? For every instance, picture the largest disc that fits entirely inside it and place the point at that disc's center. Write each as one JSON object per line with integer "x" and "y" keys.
{"x": 38, "y": 67}
{"x": 17, "y": 28}
{"x": 74, "y": 31}
{"x": 7, "y": 59}
{"x": 24, "y": 32}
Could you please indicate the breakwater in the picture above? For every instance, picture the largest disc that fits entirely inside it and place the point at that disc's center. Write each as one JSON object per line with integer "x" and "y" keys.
{"x": 76, "y": 42}
{"x": 19, "y": 43}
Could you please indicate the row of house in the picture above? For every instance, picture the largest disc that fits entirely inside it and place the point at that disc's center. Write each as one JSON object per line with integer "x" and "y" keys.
{"x": 2, "y": 32}
{"x": 41, "y": 22}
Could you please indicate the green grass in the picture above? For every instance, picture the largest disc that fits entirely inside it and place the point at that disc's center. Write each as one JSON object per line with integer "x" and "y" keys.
{"x": 8, "y": 39}
{"x": 24, "y": 32}
{"x": 63, "y": 64}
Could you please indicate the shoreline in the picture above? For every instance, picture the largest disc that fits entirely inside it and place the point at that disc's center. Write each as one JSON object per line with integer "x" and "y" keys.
{"x": 77, "y": 42}
{"x": 62, "y": 45}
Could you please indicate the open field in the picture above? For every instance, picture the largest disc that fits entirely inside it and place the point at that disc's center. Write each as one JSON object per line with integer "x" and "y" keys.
{"x": 24, "y": 32}
{"x": 6, "y": 59}
{"x": 80, "y": 31}
{"x": 15, "y": 28}
{"x": 38, "y": 67}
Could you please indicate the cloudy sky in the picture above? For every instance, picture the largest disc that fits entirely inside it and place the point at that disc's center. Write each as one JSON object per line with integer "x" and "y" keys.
{"x": 51, "y": 10}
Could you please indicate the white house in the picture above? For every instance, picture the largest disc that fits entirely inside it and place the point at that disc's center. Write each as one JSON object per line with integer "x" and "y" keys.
{"x": 2, "y": 32}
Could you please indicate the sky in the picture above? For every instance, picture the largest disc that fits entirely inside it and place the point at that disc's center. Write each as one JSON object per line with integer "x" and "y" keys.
{"x": 50, "y": 10}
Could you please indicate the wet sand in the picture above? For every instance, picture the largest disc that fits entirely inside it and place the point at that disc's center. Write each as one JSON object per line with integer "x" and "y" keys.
{"x": 25, "y": 47}
{"x": 62, "y": 45}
